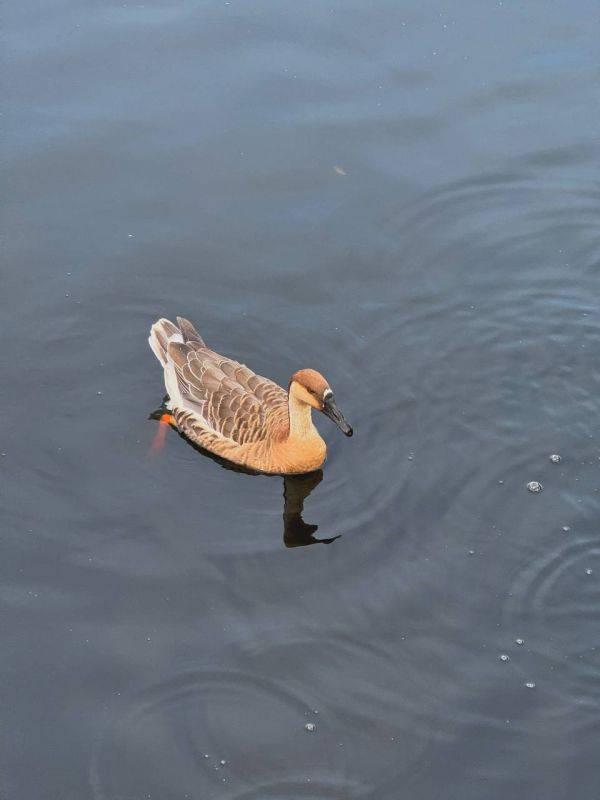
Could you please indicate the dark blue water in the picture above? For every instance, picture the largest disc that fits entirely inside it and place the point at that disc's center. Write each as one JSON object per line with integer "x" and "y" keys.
{"x": 405, "y": 197}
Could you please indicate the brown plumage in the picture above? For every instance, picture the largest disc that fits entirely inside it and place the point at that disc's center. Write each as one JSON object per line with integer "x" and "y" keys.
{"x": 226, "y": 408}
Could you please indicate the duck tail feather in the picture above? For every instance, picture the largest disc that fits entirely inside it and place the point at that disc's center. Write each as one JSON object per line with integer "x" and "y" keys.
{"x": 162, "y": 332}
{"x": 189, "y": 333}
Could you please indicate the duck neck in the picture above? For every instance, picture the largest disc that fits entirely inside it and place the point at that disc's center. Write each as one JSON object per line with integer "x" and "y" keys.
{"x": 301, "y": 424}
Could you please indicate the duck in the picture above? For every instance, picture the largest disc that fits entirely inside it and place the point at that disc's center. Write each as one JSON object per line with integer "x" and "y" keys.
{"x": 227, "y": 409}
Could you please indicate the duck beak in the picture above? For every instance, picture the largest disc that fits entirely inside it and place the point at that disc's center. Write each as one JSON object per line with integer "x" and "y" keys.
{"x": 332, "y": 411}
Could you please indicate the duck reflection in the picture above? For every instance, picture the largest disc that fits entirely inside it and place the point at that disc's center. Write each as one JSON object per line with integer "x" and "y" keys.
{"x": 296, "y": 532}
{"x": 296, "y": 488}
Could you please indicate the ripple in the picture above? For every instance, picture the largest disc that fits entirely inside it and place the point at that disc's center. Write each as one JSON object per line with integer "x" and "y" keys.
{"x": 506, "y": 329}
{"x": 553, "y": 587}
{"x": 556, "y": 601}
{"x": 372, "y": 729}
{"x": 160, "y": 742}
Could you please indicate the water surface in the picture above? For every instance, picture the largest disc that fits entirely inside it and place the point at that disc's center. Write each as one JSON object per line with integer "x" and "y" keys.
{"x": 404, "y": 196}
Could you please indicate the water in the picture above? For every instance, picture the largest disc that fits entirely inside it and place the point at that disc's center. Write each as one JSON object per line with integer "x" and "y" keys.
{"x": 404, "y": 196}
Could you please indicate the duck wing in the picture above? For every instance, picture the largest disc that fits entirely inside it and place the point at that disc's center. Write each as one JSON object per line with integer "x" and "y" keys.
{"x": 230, "y": 398}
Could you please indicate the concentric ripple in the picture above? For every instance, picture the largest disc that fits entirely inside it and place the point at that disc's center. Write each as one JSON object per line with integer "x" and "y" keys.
{"x": 202, "y": 734}
{"x": 506, "y": 328}
{"x": 375, "y": 726}
{"x": 557, "y": 586}
{"x": 554, "y": 602}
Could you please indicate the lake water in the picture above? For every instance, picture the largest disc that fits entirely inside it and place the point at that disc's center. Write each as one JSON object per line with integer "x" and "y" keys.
{"x": 404, "y": 196}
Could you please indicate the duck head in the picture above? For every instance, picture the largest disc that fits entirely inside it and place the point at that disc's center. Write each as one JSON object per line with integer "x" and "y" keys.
{"x": 309, "y": 387}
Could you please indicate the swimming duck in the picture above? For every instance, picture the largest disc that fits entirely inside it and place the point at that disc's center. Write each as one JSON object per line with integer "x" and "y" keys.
{"x": 226, "y": 408}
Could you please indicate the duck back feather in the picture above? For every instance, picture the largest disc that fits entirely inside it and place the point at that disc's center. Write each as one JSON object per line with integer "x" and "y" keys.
{"x": 227, "y": 397}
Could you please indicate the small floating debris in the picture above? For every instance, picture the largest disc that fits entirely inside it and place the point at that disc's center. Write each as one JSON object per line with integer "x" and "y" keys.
{"x": 530, "y": 685}
{"x": 555, "y": 458}
{"x": 566, "y": 528}
{"x": 471, "y": 552}
{"x": 222, "y": 762}
{"x": 519, "y": 641}
{"x": 589, "y": 571}
{"x": 504, "y": 657}
{"x": 99, "y": 394}
{"x": 535, "y": 487}
{"x": 339, "y": 170}
{"x": 310, "y": 727}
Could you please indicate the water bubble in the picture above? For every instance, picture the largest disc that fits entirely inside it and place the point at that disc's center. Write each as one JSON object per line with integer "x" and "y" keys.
{"x": 471, "y": 552}
{"x": 99, "y": 394}
{"x": 589, "y": 571}
{"x": 222, "y": 762}
{"x": 504, "y": 657}
{"x": 310, "y": 727}
{"x": 566, "y": 528}
{"x": 535, "y": 486}
{"x": 520, "y": 641}
{"x": 530, "y": 685}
